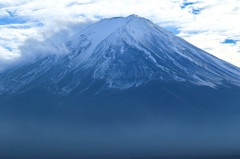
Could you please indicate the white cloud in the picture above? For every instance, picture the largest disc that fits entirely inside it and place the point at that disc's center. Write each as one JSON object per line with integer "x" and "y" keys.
{"x": 206, "y": 24}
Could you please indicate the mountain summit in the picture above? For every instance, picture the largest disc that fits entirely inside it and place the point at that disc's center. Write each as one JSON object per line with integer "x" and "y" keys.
{"x": 124, "y": 53}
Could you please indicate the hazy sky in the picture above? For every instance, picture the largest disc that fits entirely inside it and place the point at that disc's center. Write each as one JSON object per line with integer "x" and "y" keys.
{"x": 30, "y": 28}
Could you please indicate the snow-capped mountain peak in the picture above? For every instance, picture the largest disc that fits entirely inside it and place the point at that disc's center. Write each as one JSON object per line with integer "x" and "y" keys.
{"x": 99, "y": 31}
{"x": 122, "y": 52}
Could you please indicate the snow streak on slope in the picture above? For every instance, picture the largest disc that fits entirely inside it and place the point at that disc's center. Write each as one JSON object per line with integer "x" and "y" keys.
{"x": 123, "y": 52}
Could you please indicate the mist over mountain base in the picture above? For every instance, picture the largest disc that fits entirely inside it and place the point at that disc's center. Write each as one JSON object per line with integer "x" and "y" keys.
{"x": 155, "y": 120}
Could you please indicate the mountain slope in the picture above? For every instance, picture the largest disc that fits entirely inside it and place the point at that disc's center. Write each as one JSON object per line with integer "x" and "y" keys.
{"x": 122, "y": 52}
{"x": 126, "y": 89}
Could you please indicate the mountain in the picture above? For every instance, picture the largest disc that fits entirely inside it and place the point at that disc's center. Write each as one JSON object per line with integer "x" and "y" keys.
{"x": 123, "y": 52}
{"x": 127, "y": 88}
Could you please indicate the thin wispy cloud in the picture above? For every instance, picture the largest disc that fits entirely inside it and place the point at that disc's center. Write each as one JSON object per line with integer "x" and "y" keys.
{"x": 211, "y": 25}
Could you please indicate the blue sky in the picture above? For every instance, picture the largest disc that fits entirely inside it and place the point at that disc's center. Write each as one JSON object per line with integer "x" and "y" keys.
{"x": 230, "y": 41}
{"x": 212, "y": 25}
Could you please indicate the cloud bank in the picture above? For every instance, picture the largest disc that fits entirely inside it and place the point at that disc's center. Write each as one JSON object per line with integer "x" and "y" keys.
{"x": 31, "y": 28}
